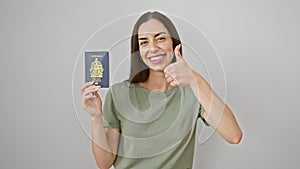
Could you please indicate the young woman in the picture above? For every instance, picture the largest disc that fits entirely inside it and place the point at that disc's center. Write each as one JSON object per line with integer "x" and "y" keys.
{"x": 149, "y": 121}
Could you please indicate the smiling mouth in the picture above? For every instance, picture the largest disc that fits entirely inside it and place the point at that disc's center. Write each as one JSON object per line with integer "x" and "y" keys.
{"x": 157, "y": 58}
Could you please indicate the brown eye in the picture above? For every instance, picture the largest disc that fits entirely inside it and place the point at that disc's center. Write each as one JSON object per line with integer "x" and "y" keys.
{"x": 143, "y": 43}
{"x": 161, "y": 39}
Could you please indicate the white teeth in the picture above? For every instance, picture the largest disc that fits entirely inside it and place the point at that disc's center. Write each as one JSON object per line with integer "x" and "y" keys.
{"x": 155, "y": 58}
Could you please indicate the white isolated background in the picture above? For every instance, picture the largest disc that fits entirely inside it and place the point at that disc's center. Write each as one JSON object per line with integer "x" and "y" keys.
{"x": 257, "y": 42}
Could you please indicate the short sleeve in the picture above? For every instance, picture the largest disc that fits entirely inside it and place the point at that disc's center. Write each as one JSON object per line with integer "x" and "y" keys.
{"x": 109, "y": 117}
{"x": 201, "y": 111}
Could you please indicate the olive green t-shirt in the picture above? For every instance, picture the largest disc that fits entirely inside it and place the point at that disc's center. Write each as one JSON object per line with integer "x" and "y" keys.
{"x": 157, "y": 128}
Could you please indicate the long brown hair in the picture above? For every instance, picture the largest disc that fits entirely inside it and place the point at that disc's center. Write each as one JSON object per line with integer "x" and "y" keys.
{"x": 139, "y": 71}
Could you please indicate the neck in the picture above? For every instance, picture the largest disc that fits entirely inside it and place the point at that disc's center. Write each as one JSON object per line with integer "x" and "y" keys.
{"x": 156, "y": 81}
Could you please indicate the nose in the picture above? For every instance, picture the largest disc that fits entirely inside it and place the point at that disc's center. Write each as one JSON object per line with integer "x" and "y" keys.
{"x": 153, "y": 47}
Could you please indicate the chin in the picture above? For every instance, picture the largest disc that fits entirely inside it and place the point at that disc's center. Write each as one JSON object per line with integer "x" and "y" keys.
{"x": 159, "y": 67}
{"x": 156, "y": 69}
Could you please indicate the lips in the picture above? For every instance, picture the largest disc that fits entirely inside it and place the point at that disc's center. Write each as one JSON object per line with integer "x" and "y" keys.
{"x": 155, "y": 59}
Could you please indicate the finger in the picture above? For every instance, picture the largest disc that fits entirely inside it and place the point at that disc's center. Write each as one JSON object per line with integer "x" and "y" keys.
{"x": 177, "y": 52}
{"x": 85, "y": 85}
{"x": 167, "y": 75}
{"x": 87, "y": 97}
{"x": 93, "y": 91}
{"x": 169, "y": 79}
{"x": 174, "y": 83}
{"x": 90, "y": 90}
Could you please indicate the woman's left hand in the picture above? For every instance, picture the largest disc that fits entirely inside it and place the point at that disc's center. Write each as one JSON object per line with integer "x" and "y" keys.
{"x": 179, "y": 73}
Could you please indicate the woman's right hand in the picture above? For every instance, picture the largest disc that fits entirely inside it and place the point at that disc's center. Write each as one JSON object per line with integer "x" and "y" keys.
{"x": 90, "y": 99}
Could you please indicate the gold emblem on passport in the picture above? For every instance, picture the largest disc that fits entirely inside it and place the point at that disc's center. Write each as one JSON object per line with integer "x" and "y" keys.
{"x": 96, "y": 70}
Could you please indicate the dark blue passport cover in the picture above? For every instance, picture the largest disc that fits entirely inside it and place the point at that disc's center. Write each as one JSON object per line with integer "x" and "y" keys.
{"x": 97, "y": 68}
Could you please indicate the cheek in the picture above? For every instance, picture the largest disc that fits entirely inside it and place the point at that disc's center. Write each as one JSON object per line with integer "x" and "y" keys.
{"x": 142, "y": 53}
{"x": 168, "y": 47}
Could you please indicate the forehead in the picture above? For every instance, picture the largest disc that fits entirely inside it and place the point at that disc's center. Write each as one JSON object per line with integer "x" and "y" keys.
{"x": 152, "y": 26}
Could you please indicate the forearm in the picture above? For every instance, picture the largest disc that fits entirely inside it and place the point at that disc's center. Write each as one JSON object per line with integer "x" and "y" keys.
{"x": 104, "y": 153}
{"x": 217, "y": 113}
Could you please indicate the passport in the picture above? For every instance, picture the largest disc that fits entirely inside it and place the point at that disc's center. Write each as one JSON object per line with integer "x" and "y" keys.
{"x": 97, "y": 68}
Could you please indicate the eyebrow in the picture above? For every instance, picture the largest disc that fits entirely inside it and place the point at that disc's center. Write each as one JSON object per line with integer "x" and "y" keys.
{"x": 159, "y": 34}
{"x": 154, "y": 35}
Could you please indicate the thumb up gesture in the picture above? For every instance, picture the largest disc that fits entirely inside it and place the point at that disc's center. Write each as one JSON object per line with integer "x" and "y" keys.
{"x": 179, "y": 73}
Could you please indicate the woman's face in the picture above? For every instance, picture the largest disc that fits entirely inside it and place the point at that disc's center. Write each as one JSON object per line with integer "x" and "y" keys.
{"x": 155, "y": 44}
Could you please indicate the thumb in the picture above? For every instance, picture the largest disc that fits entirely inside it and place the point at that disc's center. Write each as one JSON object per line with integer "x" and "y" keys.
{"x": 177, "y": 52}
